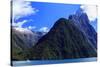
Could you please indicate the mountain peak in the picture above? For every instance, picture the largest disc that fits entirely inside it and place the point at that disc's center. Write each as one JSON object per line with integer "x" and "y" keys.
{"x": 79, "y": 12}
{"x": 81, "y": 20}
{"x": 61, "y": 21}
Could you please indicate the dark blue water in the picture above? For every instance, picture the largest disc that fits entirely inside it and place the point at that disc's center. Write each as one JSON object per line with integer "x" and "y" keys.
{"x": 40, "y": 62}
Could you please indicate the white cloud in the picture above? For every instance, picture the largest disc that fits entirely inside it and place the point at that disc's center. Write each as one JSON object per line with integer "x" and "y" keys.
{"x": 19, "y": 24}
{"x": 44, "y": 29}
{"x": 31, "y": 27}
{"x": 22, "y": 8}
{"x": 91, "y": 11}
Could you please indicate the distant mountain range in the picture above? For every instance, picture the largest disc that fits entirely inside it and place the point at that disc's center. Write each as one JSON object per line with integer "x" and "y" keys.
{"x": 67, "y": 39}
{"x": 22, "y": 41}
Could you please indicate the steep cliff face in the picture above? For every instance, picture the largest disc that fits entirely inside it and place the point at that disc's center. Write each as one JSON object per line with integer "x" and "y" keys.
{"x": 80, "y": 19}
{"x": 64, "y": 41}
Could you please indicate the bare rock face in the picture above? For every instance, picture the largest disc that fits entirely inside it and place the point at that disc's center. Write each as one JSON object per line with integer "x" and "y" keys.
{"x": 80, "y": 19}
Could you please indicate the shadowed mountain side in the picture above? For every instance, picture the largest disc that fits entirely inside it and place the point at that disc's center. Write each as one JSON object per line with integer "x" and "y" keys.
{"x": 80, "y": 19}
{"x": 63, "y": 41}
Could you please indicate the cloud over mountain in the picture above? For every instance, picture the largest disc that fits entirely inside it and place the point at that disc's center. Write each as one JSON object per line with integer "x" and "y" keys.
{"x": 91, "y": 11}
{"x": 19, "y": 24}
{"x": 44, "y": 29}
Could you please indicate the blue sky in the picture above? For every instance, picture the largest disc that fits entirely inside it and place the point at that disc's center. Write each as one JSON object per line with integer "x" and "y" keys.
{"x": 41, "y": 16}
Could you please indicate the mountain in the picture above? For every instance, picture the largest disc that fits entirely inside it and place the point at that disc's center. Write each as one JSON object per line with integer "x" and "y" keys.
{"x": 22, "y": 40}
{"x": 80, "y": 19}
{"x": 67, "y": 39}
{"x": 64, "y": 41}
